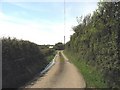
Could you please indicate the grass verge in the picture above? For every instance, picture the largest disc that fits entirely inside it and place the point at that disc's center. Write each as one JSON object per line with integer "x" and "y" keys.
{"x": 92, "y": 76}
{"x": 61, "y": 57}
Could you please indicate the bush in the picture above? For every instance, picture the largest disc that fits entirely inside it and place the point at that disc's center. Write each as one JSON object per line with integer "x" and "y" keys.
{"x": 21, "y": 61}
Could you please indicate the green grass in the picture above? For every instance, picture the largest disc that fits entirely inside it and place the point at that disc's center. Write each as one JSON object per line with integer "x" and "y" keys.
{"x": 61, "y": 57}
{"x": 92, "y": 76}
{"x": 51, "y": 56}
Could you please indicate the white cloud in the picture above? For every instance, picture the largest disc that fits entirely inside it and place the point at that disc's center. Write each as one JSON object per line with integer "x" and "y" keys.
{"x": 52, "y": 0}
{"x": 74, "y": 11}
{"x": 39, "y": 33}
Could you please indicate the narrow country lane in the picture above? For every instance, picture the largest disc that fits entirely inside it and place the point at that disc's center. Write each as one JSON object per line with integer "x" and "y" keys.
{"x": 62, "y": 75}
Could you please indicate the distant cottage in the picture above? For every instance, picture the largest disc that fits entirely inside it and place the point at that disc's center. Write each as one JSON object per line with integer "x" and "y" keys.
{"x": 50, "y": 46}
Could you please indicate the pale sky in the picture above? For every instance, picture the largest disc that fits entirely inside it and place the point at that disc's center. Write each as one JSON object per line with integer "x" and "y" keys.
{"x": 41, "y": 22}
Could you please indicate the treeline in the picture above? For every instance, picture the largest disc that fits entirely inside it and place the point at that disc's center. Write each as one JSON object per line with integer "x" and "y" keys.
{"x": 59, "y": 46}
{"x": 21, "y": 61}
{"x": 97, "y": 41}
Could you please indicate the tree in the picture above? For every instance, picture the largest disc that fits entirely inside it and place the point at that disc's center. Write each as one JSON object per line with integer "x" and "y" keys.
{"x": 59, "y": 46}
{"x": 97, "y": 41}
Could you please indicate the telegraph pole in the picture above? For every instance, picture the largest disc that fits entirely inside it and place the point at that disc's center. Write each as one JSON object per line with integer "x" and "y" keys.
{"x": 64, "y": 22}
